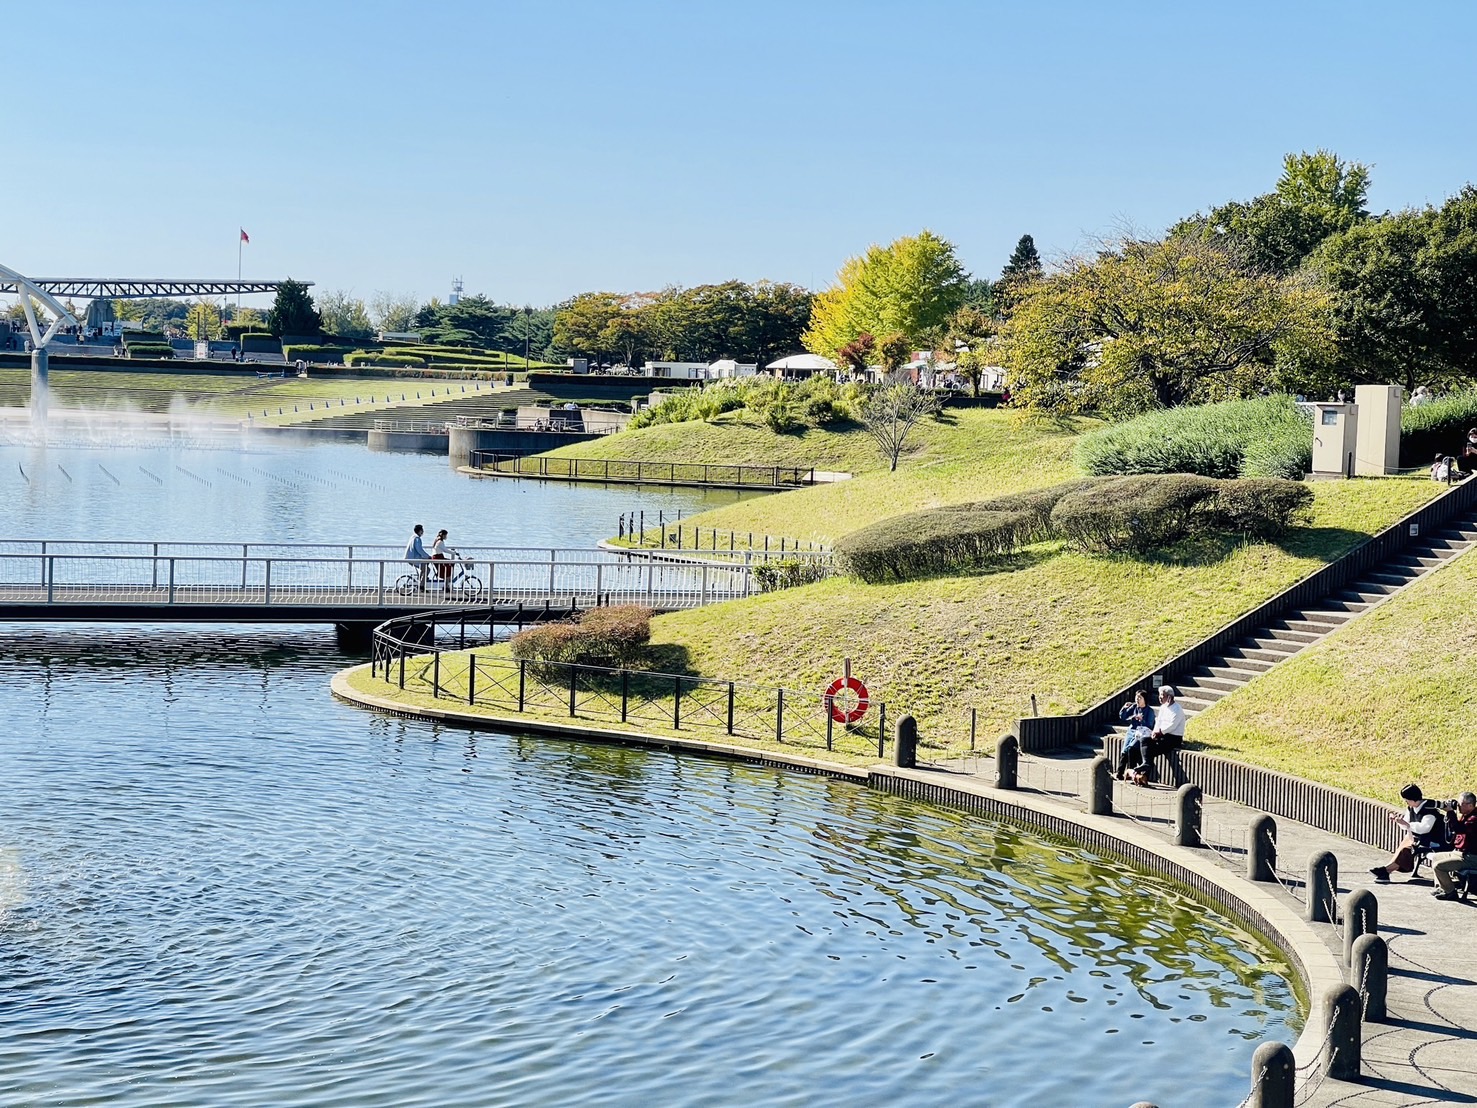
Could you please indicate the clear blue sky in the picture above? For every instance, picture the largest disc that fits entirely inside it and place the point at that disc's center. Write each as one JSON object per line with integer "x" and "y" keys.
{"x": 542, "y": 149}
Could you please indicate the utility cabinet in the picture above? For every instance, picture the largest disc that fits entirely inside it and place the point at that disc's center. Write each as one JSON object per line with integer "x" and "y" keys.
{"x": 1378, "y": 450}
{"x": 1335, "y": 432}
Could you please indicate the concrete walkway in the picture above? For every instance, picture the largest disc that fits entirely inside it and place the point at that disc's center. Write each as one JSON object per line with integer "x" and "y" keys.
{"x": 1426, "y": 1051}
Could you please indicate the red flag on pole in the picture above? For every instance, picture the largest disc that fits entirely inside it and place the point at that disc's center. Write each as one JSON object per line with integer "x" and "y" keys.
{"x": 244, "y": 237}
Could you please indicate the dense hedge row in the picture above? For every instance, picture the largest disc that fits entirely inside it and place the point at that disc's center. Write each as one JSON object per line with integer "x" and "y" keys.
{"x": 612, "y": 636}
{"x": 1439, "y": 426}
{"x": 362, "y": 357}
{"x": 313, "y": 352}
{"x": 789, "y": 574}
{"x": 150, "y": 350}
{"x": 1135, "y": 513}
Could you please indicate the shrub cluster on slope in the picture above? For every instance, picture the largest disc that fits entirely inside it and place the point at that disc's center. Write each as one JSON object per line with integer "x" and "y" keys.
{"x": 782, "y": 405}
{"x": 615, "y": 635}
{"x": 1136, "y": 513}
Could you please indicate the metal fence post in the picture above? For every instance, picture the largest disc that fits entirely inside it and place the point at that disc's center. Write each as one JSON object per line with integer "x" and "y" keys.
{"x": 435, "y": 673}
{"x": 730, "y": 707}
{"x": 266, "y": 577}
{"x": 625, "y": 693}
{"x": 573, "y": 677}
{"x": 881, "y": 727}
{"x": 48, "y": 571}
{"x": 703, "y": 600}
{"x": 402, "y": 663}
{"x": 677, "y": 704}
{"x": 171, "y": 580}
{"x": 599, "y": 578}
{"x": 471, "y": 678}
{"x": 830, "y": 719}
{"x": 380, "y": 596}
{"x": 779, "y": 716}
{"x": 246, "y": 550}
{"x": 522, "y": 679}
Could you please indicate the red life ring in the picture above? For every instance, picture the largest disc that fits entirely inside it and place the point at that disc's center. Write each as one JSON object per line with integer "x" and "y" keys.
{"x": 857, "y": 689}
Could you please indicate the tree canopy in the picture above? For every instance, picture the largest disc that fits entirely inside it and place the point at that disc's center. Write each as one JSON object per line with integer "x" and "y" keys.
{"x": 1404, "y": 294}
{"x": 1318, "y": 195}
{"x": 344, "y": 314}
{"x": 910, "y": 287}
{"x": 1155, "y": 323}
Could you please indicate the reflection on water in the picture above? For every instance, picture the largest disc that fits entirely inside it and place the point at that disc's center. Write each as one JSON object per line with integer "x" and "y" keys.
{"x": 219, "y": 885}
{"x": 250, "y": 491}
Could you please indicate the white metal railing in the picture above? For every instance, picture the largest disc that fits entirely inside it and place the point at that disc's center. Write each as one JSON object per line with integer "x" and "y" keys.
{"x": 352, "y": 551}
{"x": 60, "y": 578}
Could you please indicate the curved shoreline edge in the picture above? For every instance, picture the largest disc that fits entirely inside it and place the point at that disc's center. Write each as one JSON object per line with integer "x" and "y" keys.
{"x": 1252, "y": 905}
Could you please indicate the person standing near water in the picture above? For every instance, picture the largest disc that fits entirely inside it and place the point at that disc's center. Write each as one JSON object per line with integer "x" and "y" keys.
{"x": 415, "y": 554}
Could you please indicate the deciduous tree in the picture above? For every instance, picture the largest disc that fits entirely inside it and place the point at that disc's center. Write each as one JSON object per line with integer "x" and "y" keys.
{"x": 911, "y": 287}
{"x": 344, "y": 314}
{"x": 1156, "y": 323}
{"x": 892, "y": 413}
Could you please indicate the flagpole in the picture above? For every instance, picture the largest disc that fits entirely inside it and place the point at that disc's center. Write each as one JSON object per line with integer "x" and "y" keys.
{"x": 238, "y": 275}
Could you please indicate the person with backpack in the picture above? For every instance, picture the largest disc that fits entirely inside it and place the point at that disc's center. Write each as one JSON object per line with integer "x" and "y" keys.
{"x": 1424, "y": 828}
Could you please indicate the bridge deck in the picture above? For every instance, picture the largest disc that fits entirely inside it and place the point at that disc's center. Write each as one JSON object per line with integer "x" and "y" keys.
{"x": 75, "y": 582}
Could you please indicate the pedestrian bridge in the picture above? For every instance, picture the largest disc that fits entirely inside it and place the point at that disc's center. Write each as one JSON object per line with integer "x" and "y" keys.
{"x": 148, "y": 582}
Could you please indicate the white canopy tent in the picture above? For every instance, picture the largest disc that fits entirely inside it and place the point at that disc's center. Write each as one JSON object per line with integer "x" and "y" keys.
{"x": 800, "y": 364}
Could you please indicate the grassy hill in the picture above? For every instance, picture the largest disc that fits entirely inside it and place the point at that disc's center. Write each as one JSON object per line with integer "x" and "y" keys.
{"x": 1062, "y": 625}
{"x": 1387, "y": 700}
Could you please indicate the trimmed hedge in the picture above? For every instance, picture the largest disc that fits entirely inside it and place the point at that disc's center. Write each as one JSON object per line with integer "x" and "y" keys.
{"x": 943, "y": 540}
{"x": 361, "y": 357}
{"x": 149, "y": 350}
{"x": 312, "y": 352}
{"x": 1136, "y": 513}
{"x": 615, "y": 636}
{"x": 1439, "y": 426}
{"x": 789, "y": 574}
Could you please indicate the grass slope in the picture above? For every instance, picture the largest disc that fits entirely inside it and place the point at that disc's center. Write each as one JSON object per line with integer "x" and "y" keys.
{"x": 1386, "y": 700}
{"x": 1065, "y": 626}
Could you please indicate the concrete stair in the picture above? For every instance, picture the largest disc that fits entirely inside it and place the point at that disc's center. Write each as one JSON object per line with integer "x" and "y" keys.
{"x": 1292, "y": 633}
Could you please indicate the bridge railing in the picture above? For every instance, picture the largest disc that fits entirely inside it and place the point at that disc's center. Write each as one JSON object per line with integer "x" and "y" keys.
{"x": 60, "y": 578}
{"x": 352, "y": 551}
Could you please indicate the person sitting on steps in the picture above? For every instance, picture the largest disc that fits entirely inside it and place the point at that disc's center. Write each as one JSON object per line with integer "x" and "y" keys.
{"x": 1140, "y": 719}
{"x": 1424, "y": 827}
{"x": 1168, "y": 733}
{"x": 1461, "y": 826}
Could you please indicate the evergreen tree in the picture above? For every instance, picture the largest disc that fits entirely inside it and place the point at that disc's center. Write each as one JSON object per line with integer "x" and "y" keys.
{"x": 1024, "y": 265}
{"x": 293, "y": 312}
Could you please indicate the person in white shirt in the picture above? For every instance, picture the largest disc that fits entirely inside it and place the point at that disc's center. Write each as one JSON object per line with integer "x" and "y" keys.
{"x": 441, "y": 555}
{"x": 1424, "y": 827}
{"x": 1168, "y": 733}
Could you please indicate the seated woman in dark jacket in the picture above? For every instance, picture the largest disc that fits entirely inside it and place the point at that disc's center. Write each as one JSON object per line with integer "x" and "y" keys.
{"x": 1139, "y": 716}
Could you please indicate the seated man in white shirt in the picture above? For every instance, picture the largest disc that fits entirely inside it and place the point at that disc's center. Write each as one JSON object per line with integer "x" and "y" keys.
{"x": 1168, "y": 733}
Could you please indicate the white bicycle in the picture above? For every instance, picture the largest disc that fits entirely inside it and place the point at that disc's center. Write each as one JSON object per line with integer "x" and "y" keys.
{"x": 461, "y": 581}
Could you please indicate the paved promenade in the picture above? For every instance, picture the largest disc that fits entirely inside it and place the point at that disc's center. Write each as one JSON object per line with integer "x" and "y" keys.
{"x": 1426, "y": 1051}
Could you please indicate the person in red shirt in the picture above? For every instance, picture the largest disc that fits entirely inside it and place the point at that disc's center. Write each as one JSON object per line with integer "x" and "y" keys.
{"x": 1462, "y": 822}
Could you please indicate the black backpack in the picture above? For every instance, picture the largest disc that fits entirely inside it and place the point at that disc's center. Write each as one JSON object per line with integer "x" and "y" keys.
{"x": 1439, "y": 837}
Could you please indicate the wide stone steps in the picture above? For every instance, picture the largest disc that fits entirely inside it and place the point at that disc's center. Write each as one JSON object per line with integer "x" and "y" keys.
{"x": 1289, "y": 635}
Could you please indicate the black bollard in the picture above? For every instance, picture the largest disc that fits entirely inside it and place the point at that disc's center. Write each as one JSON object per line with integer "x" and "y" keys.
{"x": 1273, "y": 1076}
{"x": 1341, "y": 1045}
{"x": 905, "y": 749}
{"x": 1100, "y": 795}
{"x": 1361, "y": 917}
{"x": 1261, "y": 853}
{"x": 1369, "y": 973}
{"x": 1007, "y": 762}
{"x": 1187, "y": 816}
{"x": 1323, "y": 883}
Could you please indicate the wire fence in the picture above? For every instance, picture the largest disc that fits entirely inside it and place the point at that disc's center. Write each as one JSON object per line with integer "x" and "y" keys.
{"x": 435, "y": 654}
{"x": 660, "y": 534}
{"x": 646, "y": 472}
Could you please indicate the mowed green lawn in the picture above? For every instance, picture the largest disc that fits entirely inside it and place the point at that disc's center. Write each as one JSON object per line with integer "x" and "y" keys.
{"x": 1065, "y": 626}
{"x": 1389, "y": 699}
{"x": 971, "y": 454}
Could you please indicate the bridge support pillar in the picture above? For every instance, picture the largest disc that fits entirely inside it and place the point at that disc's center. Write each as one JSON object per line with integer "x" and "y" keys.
{"x": 355, "y": 637}
{"x": 40, "y": 386}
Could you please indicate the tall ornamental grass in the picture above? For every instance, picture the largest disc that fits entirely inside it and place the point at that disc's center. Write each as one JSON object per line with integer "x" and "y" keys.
{"x": 1439, "y": 426}
{"x": 1266, "y": 437}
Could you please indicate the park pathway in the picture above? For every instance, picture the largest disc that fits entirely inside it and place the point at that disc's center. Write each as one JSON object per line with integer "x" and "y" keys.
{"x": 1425, "y": 1052}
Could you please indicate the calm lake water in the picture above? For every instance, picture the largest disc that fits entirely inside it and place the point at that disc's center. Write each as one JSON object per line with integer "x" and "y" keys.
{"x": 218, "y": 885}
